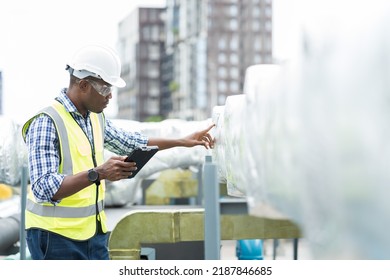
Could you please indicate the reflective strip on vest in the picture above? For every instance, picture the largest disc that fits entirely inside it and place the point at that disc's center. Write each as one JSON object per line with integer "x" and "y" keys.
{"x": 102, "y": 124}
{"x": 67, "y": 166}
{"x": 63, "y": 212}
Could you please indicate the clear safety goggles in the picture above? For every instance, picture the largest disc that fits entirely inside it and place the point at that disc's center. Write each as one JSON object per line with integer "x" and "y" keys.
{"x": 103, "y": 90}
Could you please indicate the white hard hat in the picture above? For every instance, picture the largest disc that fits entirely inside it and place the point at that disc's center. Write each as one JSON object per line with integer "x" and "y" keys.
{"x": 98, "y": 61}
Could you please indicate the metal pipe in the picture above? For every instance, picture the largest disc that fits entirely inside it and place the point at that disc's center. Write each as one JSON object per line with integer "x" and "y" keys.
{"x": 170, "y": 226}
{"x": 9, "y": 231}
{"x": 23, "y": 198}
{"x": 212, "y": 233}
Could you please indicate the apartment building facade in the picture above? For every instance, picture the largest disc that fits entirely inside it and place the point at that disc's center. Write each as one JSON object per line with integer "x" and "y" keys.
{"x": 214, "y": 41}
{"x": 140, "y": 44}
{"x": 207, "y": 46}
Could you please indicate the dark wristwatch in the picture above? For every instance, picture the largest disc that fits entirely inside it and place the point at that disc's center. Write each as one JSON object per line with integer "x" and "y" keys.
{"x": 93, "y": 176}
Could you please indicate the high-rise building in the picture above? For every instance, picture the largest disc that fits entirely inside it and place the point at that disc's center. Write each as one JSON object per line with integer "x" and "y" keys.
{"x": 212, "y": 42}
{"x": 141, "y": 40}
{"x": 185, "y": 65}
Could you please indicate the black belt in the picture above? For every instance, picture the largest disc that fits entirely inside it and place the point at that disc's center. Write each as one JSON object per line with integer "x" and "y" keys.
{"x": 99, "y": 229}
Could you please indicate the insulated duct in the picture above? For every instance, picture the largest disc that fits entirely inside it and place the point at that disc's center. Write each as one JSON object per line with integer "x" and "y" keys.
{"x": 12, "y": 152}
{"x": 9, "y": 232}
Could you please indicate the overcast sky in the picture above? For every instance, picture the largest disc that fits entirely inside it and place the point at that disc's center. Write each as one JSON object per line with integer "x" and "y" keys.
{"x": 37, "y": 37}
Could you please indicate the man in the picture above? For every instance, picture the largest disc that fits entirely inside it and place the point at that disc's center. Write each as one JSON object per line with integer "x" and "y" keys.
{"x": 65, "y": 216}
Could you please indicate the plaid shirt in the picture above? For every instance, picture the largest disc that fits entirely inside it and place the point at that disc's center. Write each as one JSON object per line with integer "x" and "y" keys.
{"x": 43, "y": 148}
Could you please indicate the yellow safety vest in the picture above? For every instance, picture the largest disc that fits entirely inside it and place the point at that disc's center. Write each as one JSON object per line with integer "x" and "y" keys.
{"x": 75, "y": 216}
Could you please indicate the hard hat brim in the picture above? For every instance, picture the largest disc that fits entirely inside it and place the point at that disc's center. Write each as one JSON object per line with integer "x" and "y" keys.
{"x": 117, "y": 82}
{"x": 82, "y": 74}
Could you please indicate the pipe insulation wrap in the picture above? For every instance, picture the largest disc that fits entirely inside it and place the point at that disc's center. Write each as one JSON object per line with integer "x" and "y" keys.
{"x": 317, "y": 131}
{"x": 9, "y": 231}
{"x": 13, "y": 151}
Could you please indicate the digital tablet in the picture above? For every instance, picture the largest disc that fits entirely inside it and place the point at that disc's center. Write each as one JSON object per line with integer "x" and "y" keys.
{"x": 141, "y": 155}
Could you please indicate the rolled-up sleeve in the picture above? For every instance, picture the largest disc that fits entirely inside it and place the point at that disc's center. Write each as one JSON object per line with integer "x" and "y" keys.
{"x": 120, "y": 141}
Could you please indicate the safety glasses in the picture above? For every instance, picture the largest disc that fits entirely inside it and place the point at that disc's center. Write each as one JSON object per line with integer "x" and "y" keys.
{"x": 103, "y": 90}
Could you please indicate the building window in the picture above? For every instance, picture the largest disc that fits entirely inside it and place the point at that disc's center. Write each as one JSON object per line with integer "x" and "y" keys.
{"x": 221, "y": 58}
{"x": 268, "y": 11}
{"x": 234, "y": 43}
{"x": 233, "y": 58}
{"x": 146, "y": 33}
{"x": 154, "y": 90}
{"x": 143, "y": 51}
{"x": 222, "y": 72}
{"x": 221, "y": 99}
{"x": 256, "y": 12}
{"x": 268, "y": 25}
{"x": 143, "y": 15}
{"x": 256, "y": 25}
{"x": 257, "y": 59}
{"x": 234, "y": 73}
{"x": 234, "y": 87}
{"x": 233, "y": 11}
{"x": 152, "y": 106}
{"x": 257, "y": 44}
{"x": 154, "y": 52}
{"x": 222, "y": 87}
{"x": 268, "y": 45}
{"x": 153, "y": 70}
{"x": 222, "y": 43}
{"x": 155, "y": 33}
{"x": 153, "y": 16}
{"x": 233, "y": 24}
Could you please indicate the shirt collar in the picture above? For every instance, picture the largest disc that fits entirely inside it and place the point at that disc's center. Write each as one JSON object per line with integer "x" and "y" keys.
{"x": 68, "y": 104}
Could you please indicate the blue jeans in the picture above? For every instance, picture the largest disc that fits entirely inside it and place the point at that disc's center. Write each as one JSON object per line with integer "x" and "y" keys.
{"x": 44, "y": 245}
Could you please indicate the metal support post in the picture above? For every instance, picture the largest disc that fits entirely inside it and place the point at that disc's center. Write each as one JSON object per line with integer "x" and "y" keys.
{"x": 23, "y": 198}
{"x": 295, "y": 248}
{"x": 212, "y": 219}
{"x": 199, "y": 197}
